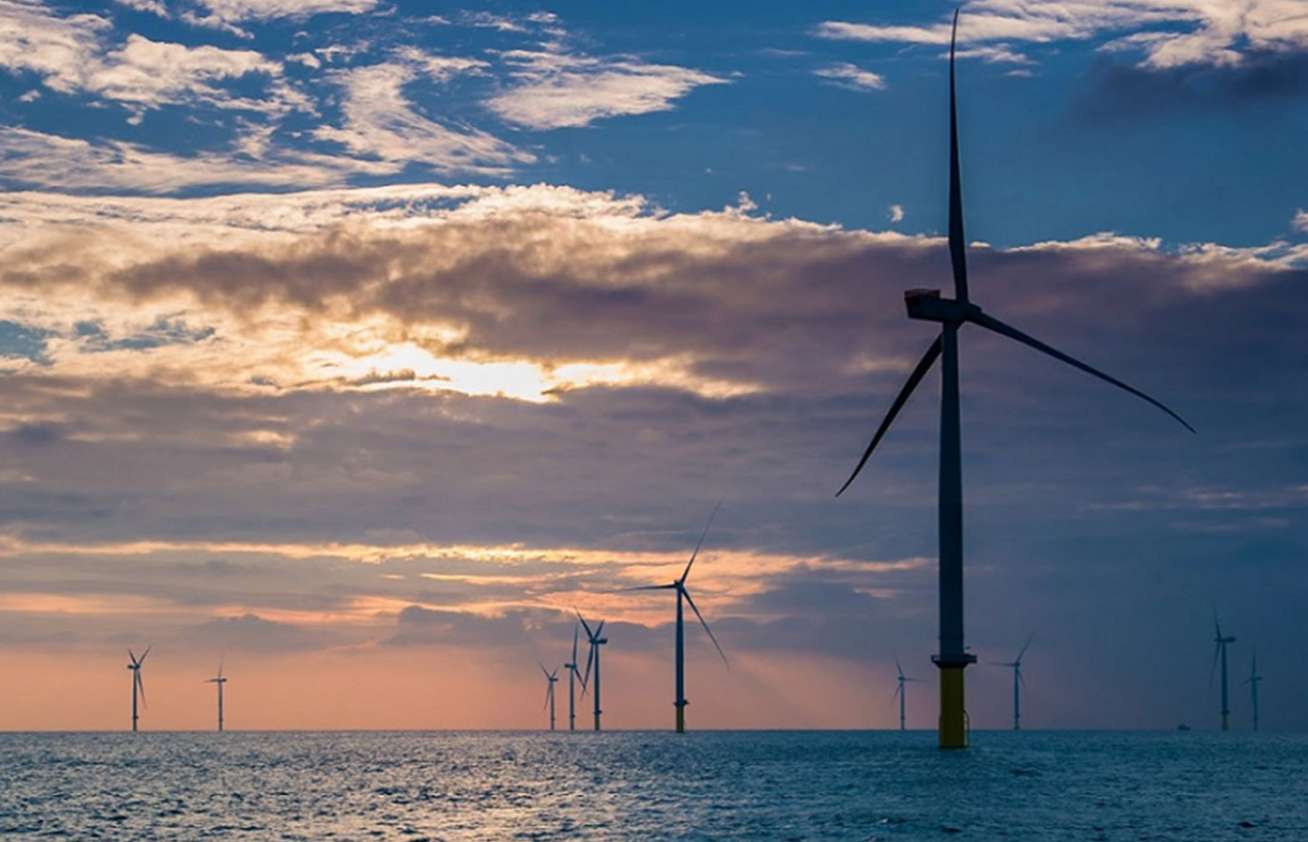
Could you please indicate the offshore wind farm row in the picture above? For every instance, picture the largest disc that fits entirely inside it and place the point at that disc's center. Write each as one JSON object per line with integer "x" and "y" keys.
{"x": 588, "y": 679}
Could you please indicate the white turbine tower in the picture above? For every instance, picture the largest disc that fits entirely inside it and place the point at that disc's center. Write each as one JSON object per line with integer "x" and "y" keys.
{"x": 1253, "y": 681}
{"x": 597, "y": 639}
{"x": 574, "y": 675}
{"x": 952, "y": 314}
{"x": 551, "y": 677}
{"x": 679, "y": 585}
{"x": 138, "y": 686}
{"x": 219, "y": 681}
{"x": 1018, "y": 683}
{"x": 899, "y": 690}
{"x": 1220, "y": 654}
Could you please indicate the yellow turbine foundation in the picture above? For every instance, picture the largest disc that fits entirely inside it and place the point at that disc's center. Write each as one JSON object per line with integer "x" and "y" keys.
{"x": 953, "y": 713}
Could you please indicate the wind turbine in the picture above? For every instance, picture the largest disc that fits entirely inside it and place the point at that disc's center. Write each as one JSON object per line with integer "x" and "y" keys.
{"x": 1252, "y": 681}
{"x": 1018, "y": 683}
{"x": 137, "y": 684}
{"x": 574, "y": 674}
{"x": 551, "y": 677}
{"x": 899, "y": 691}
{"x": 596, "y": 638}
{"x": 220, "y": 681}
{"x": 952, "y": 314}
{"x": 679, "y": 585}
{"x": 1220, "y": 652}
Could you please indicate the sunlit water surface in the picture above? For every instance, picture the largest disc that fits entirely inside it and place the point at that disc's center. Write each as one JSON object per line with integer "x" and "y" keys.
{"x": 653, "y": 786}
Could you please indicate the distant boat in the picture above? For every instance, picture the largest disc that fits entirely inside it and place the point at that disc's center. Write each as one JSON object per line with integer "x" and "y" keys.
{"x": 1183, "y": 727}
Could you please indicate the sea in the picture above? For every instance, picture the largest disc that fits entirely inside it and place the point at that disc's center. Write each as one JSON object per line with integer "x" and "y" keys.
{"x": 634, "y": 785}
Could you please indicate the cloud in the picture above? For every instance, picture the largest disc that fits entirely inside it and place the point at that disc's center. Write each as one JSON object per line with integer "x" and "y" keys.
{"x": 52, "y": 161}
{"x": 74, "y": 54}
{"x": 852, "y": 77}
{"x": 1215, "y": 32}
{"x": 896, "y": 213}
{"x": 262, "y": 10}
{"x": 380, "y": 122}
{"x": 1301, "y": 220}
{"x": 555, "y": 90}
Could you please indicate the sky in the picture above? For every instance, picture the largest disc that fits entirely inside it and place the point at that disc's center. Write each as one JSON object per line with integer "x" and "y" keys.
{"x": 356, "y": 344}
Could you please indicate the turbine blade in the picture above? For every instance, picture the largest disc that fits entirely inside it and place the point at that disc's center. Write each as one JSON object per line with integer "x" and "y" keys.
{"x": 1021, "y": 679}
{"x": 650, "y": 588}
{"x": 706, "y": 627}
{"x": 957, "y": 243}
{"x": 145, "y": 653}
{"x": 130, "y": 655}
{"x": 542, "y": 669}
{"x": 923, "y": 366}
{"x": 585, "y": 625}
{"x": 575, "y": 632}
{"x": 1217, "y": 626}
{"x": 1029, "y": 638}
{"x": 1217, "y": 651}
{"x": 700, "y": 543}
{"x": 590, "y": 659}
{"x": 991, "y": 323}
{"x": 599, "y": 630}
{"x": 899, "y": 669}
{"x": 899, "y": 688}
{"x": 140, "y": 685}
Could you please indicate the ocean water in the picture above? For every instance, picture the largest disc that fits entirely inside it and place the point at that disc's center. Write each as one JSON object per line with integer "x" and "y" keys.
{"x": 757, "y": 786}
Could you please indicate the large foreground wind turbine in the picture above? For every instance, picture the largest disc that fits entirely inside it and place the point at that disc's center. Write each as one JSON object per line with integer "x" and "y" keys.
{"x": 138, "y": 686}
{"x": 1220, "y": 653}
{"x": 574, "y": 675}
{"x": 597, "y": 639}
{"x": 220, "y": 681}
{"x": 551, "y": 677}
{"x": 952, "y": 314}
{"x": 1018, "y": 683}
{"x": 679, "y": 585}
{"x": 1252, "y": 681}
{"x": 899, "y": 691}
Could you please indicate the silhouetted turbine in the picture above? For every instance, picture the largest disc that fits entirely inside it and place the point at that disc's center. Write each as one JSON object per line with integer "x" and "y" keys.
{"x": 1253, "y": 681}
{"x": 679, "y": 585}
{"x": 899, "y": 690}
{"x": 596, "y": 638}
{"x": 1220, "y": 653}
{"x": 137, "y": 684}
{"x": 220, "y": 681}
{"x": 1018, "y": 683}
{"x": 574, "y": 674}
{"x": 952, "y": 314}
{"x": 551, "y": 677}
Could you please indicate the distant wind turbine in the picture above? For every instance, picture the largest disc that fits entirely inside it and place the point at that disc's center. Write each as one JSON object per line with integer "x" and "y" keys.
{"x": 220, "y": 681}
{"x": 679, "y": 585}
{"x": 1220, "y": 654}
{"x": 1018, "y": 683}
{"x": 899, "y": 691}
{"x": 952, "y": 314}
{"x": 138, "y": 686}
{"x": 551, "y": 677}
{"x": 597, "y": 639}
{"x": 1253, "y": 680}
{"x": 574, "y": 675}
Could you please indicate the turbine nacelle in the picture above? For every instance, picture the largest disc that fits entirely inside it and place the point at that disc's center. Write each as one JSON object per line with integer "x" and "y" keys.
{"x": 927, "y": 305}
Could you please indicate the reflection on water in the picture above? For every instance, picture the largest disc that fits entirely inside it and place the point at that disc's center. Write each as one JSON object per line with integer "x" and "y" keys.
{"x": 653, "y": 786}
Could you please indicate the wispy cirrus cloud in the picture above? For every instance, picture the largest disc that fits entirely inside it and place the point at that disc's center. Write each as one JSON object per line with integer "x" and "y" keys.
{"x": 380, "y": 122}
{"x": 553, "y": 90}
{"x": 853, "y": 77}
{"x": 78, "y": 54}
{"x": 1212, "y": 32}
